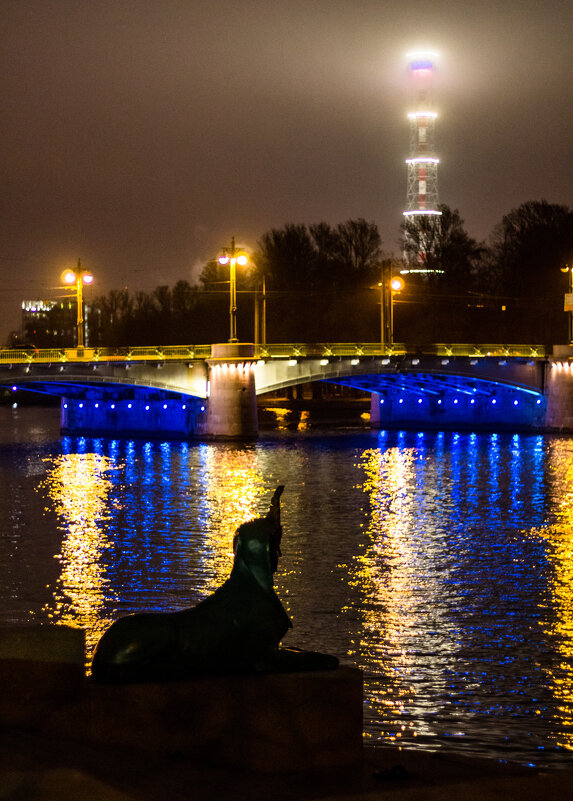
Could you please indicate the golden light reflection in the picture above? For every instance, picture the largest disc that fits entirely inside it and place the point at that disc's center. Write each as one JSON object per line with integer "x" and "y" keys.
{"x": 398, "y": 584}
{"x": 284, "y": 419}
{"x": 77, "y": 486}
{"x": 304, "y": 422}
{"x": 559, "y": 537}
{"x": 280, "y": 417}
{"x": 234, "y": 489}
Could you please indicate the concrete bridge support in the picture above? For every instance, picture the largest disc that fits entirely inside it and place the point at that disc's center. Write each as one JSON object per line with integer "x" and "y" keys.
{"x": 559, "y": 390}
{"x": 232, "y": 401}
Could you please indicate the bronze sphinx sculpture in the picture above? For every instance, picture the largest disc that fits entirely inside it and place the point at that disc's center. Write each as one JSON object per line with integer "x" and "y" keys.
{"x": 236, "y": 630}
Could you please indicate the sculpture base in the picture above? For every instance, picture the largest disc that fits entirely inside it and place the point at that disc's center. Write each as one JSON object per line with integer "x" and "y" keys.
{"x": 287, "y": 722}
{"x": 271, "y": 723}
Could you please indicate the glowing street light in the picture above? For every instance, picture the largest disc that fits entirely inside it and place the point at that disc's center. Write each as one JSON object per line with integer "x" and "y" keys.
{"x": 78, "y": 276}
{"x": 395, "y": 284}
{"x": 232, "y": 257}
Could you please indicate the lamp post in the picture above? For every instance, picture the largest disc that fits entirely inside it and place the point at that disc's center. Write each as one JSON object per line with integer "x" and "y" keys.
{"x": 261, "y": 314}
{"x": 232, "y": 257}
{"x": 396, "y": 285}
{"x": 388, "y": 288}
{"x": 568, "y": 305}
{"x": 78, "y": 276}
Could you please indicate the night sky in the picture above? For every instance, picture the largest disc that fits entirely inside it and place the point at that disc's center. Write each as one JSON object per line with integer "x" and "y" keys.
{"x": 140, "y": 135}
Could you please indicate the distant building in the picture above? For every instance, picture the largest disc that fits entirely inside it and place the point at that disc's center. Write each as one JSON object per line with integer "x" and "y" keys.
{"x": 48, "y": 323}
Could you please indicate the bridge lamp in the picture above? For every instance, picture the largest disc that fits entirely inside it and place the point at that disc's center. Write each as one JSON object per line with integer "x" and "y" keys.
{"x": 78, "y": 276}
{"x": 388, "y": 288}
{"x": 232, "y": 257}
{"x": 396, "y": 285}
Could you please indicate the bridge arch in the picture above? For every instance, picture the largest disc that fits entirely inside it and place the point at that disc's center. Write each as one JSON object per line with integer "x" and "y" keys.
{"x": 510, "y": 384}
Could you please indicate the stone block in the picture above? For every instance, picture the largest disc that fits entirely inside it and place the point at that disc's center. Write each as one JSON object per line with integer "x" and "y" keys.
{"x": 271, "y": 723}
{"x": 275, "y": 723}
{"x": 41, "y": 670}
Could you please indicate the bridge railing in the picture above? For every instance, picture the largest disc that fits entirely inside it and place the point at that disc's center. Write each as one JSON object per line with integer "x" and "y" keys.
{"x": 352, "y": 349}
{"x": 289, "y": 350}
{"x": 54, "y": 355}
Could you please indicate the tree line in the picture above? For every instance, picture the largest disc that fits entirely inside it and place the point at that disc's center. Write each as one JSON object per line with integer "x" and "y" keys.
{"x": 322, "y": 283}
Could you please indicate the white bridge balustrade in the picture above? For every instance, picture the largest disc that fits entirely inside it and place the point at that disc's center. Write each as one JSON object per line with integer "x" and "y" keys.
{"x": 211, "y": 390}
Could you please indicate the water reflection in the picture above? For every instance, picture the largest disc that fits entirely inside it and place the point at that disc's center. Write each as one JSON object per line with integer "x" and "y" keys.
{"x": 401, "y": 574}
{"x": 452, "y": 590}
{"x": 559, "y": 617}
{"x": 78, "y": 485}
{"x": 288, "y": 420}
{"x": 439, "y": 563}
{"x": 231, "y": 487}
{"x": 149, "y": 526}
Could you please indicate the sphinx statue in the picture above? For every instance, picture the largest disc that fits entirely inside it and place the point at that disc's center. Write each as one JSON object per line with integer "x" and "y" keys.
{"x": 235, "y": 630}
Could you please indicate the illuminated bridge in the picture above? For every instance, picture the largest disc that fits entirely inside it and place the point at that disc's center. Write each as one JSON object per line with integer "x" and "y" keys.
{"x": 211, "y": 390}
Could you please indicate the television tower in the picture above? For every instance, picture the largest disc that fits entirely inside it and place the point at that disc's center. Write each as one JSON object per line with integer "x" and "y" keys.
{"x": 422, "y": 189}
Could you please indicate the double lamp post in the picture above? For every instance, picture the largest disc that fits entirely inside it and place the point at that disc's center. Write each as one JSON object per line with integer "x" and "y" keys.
{"x": 79, "y": 276}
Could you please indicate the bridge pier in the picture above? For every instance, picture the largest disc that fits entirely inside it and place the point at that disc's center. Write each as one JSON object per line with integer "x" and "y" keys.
{"x": 232, "y": 401}
{"x": 558, "y": 390}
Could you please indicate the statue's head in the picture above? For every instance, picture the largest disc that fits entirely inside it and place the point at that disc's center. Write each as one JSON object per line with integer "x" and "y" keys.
{"x": 257, "y": 544}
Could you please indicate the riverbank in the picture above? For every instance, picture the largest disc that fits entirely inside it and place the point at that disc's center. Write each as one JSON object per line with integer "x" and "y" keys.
{"x": 36, "y": 768}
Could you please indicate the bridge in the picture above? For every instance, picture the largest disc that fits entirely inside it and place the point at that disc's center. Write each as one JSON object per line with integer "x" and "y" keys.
{"x": 211, "y": 390}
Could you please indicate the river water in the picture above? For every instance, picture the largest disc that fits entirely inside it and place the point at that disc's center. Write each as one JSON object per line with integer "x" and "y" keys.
{"x": 441, "y": 564}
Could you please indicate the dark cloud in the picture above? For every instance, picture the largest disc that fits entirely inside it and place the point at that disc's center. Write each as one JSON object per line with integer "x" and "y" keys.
{"x": 141, "y": 135}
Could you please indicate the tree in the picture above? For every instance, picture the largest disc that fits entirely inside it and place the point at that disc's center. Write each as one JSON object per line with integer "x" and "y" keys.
{"x": 288, "y": 257}
{"x": 317, "y": 276}
{"x": 529, "y": 247}
{"x": 320, "y": 256}
{"x": 360, "y": 249}
{"x": 440, "y": 245}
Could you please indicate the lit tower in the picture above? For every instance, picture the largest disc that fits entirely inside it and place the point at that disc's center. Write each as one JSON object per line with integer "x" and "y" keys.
{"x": 422, "y": 191}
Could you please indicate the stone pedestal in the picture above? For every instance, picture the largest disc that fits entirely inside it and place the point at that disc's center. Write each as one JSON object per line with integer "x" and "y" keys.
{"x": 275, "y": 723}
{"x": 41, "y": 671}
{"x": 270, "y": 723}
{"x": 232, "y": 403}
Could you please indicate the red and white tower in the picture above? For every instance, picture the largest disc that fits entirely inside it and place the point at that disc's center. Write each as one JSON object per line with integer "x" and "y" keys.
{"x": 422, "y": 190}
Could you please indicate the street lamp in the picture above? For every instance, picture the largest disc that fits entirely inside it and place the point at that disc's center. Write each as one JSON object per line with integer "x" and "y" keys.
{"x": 78, "y": 276}
{"x": 395, "y": 284}
{"x": 568, "y": 305}
{"x": 232, "y": 257}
